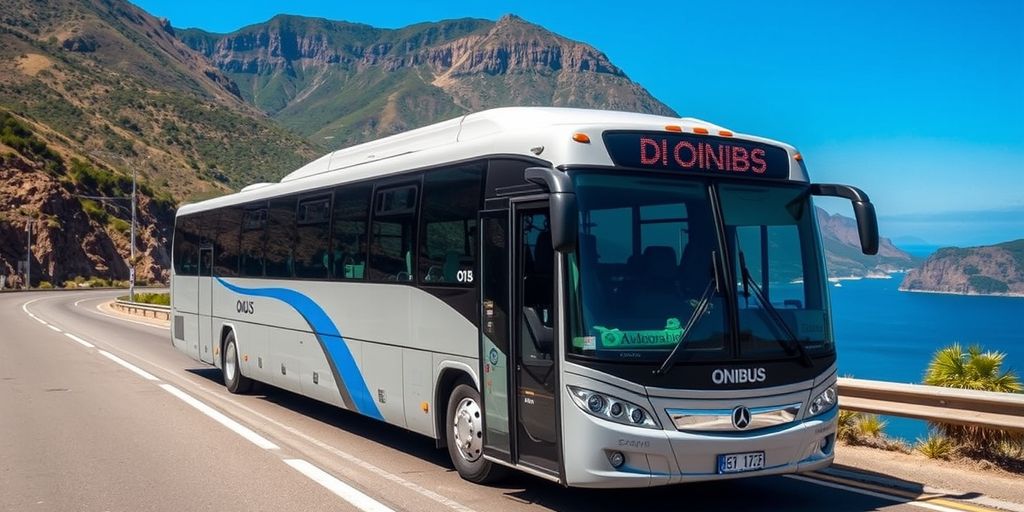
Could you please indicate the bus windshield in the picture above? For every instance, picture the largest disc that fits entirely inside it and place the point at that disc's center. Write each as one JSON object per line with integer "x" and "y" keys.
{"x": 644, "y": 260}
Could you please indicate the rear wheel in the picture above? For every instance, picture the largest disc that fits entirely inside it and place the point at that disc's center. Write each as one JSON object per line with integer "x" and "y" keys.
{"x": 465, "y": 437}
{"x": 233, "y": 378}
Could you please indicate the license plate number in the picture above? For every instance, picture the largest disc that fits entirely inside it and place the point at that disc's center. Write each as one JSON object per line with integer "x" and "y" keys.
{"x": 739, "y": 462}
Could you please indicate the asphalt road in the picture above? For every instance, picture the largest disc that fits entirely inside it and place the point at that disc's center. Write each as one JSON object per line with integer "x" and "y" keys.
{"x": 101, "y": 413}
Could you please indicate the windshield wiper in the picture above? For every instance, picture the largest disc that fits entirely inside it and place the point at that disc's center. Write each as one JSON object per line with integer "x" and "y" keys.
{"x": 791, "y": 345}
{"x": 698, "y": 313}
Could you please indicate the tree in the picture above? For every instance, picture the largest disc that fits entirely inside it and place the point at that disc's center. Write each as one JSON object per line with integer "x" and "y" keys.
{"x": 952, "y": 367}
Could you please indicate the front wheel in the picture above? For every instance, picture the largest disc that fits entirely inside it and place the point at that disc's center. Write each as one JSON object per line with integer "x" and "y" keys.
{"x": 233, "y": 378}
{"x": 465, "y": 437}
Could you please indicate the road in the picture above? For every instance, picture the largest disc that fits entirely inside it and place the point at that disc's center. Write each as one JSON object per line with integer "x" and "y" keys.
{"x": 101, "y": 413}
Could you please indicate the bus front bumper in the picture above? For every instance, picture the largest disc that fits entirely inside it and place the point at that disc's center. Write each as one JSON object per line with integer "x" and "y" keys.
{"x": 664, "y": 457}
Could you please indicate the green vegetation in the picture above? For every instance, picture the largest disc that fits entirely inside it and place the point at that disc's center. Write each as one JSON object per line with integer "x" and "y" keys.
{"x": 985, "y": 284}
{"x": 870, "y": 425}
{"x": 935, "y": 447}
{"x": 159, "y": 299}
{"x": 100, "y": 181}
{"x": 976, "y": 369}
{"x": 19, "y": 136}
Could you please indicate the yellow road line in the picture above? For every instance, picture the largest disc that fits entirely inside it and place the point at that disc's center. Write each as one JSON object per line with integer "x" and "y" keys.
{"x": 937, "y": 499}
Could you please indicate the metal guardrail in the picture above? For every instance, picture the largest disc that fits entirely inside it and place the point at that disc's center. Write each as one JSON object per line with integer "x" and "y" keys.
{"x": 1004, "y": 411}
{"x": 145, "y": 310}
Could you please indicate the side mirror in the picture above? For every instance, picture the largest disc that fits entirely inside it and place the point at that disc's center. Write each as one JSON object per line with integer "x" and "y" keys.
{"x": 863, "y": 210}
{"x": 562, "y": 205}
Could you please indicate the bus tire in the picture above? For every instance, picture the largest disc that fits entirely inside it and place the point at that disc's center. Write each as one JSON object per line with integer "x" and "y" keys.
{"x": 233, "y": 378}
{"x": 464, "y": 436}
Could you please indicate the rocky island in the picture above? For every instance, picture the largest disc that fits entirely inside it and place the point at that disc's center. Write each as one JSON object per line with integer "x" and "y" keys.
{"x": 985, "y": 270}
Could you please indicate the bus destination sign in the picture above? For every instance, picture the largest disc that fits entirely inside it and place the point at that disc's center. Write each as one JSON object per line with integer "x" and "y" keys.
{"x": 697, "y": 154}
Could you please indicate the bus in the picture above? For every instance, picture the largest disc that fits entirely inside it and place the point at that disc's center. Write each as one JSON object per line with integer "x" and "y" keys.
{"x": 596, "y": 298}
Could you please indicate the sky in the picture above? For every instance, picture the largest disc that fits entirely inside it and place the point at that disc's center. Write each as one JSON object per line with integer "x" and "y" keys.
{"x": 920, "y": 104}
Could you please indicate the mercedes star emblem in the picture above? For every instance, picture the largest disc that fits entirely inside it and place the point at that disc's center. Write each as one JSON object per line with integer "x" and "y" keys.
{"x": 741, "y": 417}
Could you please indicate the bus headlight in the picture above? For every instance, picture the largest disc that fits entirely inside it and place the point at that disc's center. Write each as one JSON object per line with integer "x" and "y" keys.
{"x": 611, "y": 408}
{"x": 823, "y": 402}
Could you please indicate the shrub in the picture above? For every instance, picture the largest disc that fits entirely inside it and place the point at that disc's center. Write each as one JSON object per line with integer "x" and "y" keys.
{"x": 936, "y": 446}
{"x": 45, "y": 285}
{"x": 870, "y": 425}
{"x": 977, "y": 369}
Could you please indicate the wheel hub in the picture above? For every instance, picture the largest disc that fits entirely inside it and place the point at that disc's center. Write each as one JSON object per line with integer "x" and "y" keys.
{"x": 230, "y": 358}
{"x": 468, "y": 429}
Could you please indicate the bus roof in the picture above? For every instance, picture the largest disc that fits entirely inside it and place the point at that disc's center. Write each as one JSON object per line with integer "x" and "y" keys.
{"x": 538, "y": 132}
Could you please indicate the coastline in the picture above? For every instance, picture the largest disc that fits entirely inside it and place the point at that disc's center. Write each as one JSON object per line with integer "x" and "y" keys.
{"x": 972, "y": 294}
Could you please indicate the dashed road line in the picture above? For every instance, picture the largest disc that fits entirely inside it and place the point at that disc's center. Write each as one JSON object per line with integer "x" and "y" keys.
{"x": 135, "y": 369}
{"x": 346, "y": 492}
{"x": 219, "y": 417}
{"x": 79, "y": 340}
{"x": 53, "y": 328}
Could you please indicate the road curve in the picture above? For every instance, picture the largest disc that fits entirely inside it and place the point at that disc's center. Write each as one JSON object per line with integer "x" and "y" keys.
{"x": 100, "y": 413}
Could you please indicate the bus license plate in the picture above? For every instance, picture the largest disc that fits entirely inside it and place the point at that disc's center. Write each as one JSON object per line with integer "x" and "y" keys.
{"x": 739, "y": 462}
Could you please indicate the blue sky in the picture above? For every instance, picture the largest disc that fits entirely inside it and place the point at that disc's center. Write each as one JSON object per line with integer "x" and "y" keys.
{"x": 920, "y": 104}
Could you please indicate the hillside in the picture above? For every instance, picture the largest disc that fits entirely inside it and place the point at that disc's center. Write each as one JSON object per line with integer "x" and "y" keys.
{"x": 843, "y": 255}
{"x": 985, "y": 270}
{"x": 343, "y": 83}
{"x": 106, "y": 85}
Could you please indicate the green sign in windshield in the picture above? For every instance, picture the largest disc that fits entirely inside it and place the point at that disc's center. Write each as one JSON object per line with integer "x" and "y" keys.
{"x": 616, "y": 339}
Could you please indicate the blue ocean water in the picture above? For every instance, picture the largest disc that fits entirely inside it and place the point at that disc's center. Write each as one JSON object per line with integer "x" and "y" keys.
{"x": 885, "y": 334}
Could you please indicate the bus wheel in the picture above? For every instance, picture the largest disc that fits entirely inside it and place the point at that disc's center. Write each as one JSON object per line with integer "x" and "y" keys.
{"x": 465, "y": 436}
{"x": 233, "y": 378}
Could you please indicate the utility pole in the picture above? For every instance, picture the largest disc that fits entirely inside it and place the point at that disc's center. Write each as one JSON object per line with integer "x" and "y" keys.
{"x": 28, "y": 256}
{"x": 131, "y": 270}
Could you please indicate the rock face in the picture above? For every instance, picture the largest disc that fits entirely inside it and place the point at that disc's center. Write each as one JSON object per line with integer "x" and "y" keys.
{"x": 987, "y": 270}
{"x": 66, "y": 241}
{"x": 843, "y": 255}
{"x": 349, "y": 83}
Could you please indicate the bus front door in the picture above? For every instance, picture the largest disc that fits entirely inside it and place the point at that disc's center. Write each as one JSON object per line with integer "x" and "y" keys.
{"x": 517, "y": 341}
{"x": 205, "y": 305}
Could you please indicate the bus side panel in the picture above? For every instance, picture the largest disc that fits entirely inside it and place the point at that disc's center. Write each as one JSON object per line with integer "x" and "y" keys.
{"x": 437, "y": 327}
{"x": 252, "y": 346}
{"x": 284, "y": 363}
{"x": 380, "y": 368}
{"x": 184, "y": 295}
{"x": 417, "y": 368}
{"x": 317, "y": 379}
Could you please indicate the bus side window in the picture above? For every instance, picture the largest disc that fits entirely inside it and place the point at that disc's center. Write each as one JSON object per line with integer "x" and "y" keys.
{"x": 393, "y": 233}
{"x": 313, "y": 224}
{"x": 254, "y": 225}
{"x": 279, "y": 253}
{"x": 451, "y": 200}
{"x": 347, "y": 258}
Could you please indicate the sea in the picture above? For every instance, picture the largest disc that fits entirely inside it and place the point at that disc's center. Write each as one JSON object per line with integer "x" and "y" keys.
{"x": 884, "y": 334}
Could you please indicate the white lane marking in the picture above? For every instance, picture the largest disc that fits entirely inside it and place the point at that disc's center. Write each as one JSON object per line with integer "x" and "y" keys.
{"x": 40, "y": 320}
{"x": 412, "y": 486}
{"x": 54, "y": 328}
{"x": 897, "y": 499}
{"x": 160, "y": 327}
{"x": 79, "y": 340}
{"x": 138, "y": 371}
{"x": 346, "y": 492}
{"x": 219, "y": 417}
{"x": 427, "y": 493}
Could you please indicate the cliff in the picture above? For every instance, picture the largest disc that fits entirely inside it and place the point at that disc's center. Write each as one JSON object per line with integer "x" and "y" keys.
{"x": 986, "y": 270}
{"x": 344, "y": 83}
{"x": 843, "y": 255}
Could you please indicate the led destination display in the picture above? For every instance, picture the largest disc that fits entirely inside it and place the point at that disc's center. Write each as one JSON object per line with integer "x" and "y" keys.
{"x": 698, "y": 154}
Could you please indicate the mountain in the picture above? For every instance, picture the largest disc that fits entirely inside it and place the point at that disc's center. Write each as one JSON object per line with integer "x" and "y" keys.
{"x": 985, "y": 270}
{"x": 843, "y": 255}
{"x": 91, "y": 90}
{"x": 347, "y": 83}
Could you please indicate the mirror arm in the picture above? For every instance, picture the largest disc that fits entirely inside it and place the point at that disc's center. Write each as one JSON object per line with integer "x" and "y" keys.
{"x": 864, "y": 211}
{"x": 562, "y": 204}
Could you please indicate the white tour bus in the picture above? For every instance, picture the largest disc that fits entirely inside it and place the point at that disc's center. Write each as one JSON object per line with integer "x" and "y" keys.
{"x": 602, "y": 299}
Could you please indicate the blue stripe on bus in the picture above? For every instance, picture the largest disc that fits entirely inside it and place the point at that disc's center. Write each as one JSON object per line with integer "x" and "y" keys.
{"x": 330, "y": 338}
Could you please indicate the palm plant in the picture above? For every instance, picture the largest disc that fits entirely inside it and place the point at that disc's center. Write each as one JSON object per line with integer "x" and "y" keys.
{"x": 977, "y": 369}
